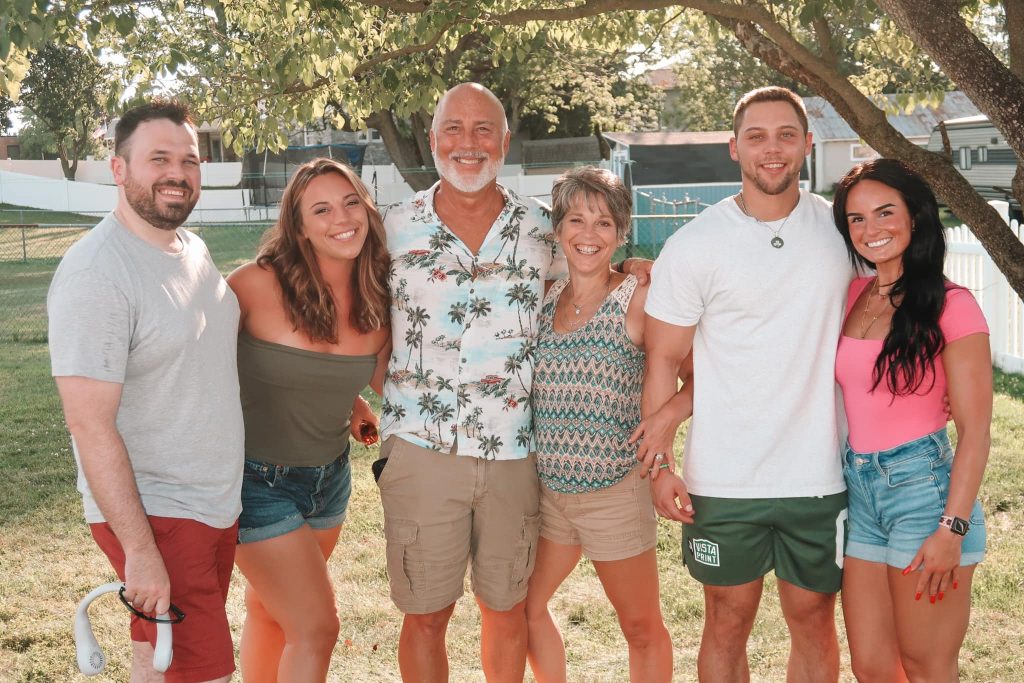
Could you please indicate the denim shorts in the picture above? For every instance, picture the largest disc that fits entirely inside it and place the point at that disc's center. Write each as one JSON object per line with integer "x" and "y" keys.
{"x": 896, "y": 497}
{"x": 278, "y": 499}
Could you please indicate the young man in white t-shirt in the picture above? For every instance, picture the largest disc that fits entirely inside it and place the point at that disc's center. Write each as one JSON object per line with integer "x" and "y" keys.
{"x": 754, "y": 287}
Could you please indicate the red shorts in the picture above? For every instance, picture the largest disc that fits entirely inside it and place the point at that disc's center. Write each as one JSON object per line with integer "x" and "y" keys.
{"x": 199, "y": 559}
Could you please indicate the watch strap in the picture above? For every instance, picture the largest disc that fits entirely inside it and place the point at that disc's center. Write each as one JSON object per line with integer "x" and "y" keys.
{"x": 957, "y": 525}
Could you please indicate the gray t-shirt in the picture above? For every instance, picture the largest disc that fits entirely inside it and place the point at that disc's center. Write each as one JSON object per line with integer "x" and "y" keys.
{"x": 165, "y": 327}
{"x": 768, "y": 322}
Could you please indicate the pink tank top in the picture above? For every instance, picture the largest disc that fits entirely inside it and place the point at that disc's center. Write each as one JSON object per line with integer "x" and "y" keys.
{"x": 878, "y": 421}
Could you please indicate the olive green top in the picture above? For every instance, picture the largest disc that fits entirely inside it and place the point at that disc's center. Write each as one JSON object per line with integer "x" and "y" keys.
{"x": 296, "y": 403}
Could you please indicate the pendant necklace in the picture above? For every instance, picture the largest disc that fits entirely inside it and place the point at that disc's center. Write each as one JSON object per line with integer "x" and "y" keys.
{"x": 777, "y": 241}
{"x": 578, "y": 308}
{"x": 867, "y": 303}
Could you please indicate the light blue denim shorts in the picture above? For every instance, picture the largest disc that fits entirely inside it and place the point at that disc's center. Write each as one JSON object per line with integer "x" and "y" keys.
{"x": 896, "y": 497}
{"x": 278, "y": 499}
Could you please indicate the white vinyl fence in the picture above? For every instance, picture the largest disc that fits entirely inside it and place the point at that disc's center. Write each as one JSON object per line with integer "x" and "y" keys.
{"x": 969, "y": 265}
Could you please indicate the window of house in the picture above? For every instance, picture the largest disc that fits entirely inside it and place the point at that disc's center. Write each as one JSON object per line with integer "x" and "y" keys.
{"x": 861, "y": 152}
{"x": 368, "y": 135}
{"x": 982, "y": 154}
{"x": 965, "y": 158}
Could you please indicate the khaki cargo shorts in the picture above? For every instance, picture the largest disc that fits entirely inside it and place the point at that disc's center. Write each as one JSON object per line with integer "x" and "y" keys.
{"x": 442, "y": 512}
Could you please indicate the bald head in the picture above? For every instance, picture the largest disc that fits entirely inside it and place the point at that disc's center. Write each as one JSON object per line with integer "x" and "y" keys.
{"x": 469, "y": 96}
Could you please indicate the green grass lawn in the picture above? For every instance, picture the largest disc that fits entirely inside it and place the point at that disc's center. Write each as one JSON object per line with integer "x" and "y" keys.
{"x": 48, "y": 562}
{"x": 29, "y": 257}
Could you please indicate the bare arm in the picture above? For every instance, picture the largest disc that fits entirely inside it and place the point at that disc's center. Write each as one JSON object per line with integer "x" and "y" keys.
{"x": 90, "y": 409}
{"x": 667, "y": 349}
{"x": 968, "y": 366}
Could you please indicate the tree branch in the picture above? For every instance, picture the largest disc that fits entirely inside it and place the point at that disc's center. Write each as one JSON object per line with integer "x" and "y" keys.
{"x": 1015, "y": 33}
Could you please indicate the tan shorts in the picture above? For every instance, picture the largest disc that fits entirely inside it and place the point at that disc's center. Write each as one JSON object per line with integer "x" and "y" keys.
{"x": 611, "y": 524}
{"x": 442, "y": 511}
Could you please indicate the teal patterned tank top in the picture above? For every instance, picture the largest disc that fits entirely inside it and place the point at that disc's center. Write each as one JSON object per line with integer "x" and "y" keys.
{"x": 586, "y": 396}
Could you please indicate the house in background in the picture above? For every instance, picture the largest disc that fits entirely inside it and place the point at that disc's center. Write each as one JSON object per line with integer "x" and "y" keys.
{"x": 9, "y": 147}
{"x": 837, "y": 147}
{"x": 673, "y": 158}
{"x": 982, "y": 155}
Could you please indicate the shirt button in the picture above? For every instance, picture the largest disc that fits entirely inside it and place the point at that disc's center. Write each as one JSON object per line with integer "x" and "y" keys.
{"x": 463, "y": 360}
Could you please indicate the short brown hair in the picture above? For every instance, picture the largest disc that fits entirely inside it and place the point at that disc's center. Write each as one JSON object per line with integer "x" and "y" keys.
{"x": 175, "y": 111}
{"x": 308, "y": 302}
{"x": 591, "y": 181}
{"x": 771, "y": 93}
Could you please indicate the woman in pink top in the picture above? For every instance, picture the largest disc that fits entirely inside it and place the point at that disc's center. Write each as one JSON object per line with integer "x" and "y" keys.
{"x": 911, "y": 337}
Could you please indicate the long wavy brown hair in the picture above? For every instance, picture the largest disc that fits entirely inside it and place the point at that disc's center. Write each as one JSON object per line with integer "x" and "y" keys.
{"x": 307, "y": 296}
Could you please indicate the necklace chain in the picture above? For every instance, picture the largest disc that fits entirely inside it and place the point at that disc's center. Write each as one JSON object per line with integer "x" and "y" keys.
{"x": 867, "y": 305}
{"x": 578, "y": 307}
{"x": 777, "y": 241}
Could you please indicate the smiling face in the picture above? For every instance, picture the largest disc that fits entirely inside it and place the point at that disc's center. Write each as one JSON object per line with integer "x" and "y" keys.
{"x": 770, "y": 147}
{"x": 588, "y": 235}
{"x": 333, "y": 217}
{"x": 469, "y": 138}
{"x": 879, "y": 222}
{"x": 159, "y": 172}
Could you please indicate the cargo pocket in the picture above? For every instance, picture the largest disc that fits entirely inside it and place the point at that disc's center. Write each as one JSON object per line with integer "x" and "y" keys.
{"x": 400, "y": 534}
{"x": 526, "y": 552}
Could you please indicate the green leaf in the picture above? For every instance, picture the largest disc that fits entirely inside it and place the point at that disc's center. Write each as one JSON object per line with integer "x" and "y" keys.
{"x": 125, "y": 24}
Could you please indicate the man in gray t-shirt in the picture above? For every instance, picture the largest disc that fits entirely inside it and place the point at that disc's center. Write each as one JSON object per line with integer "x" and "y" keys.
{"x": 142, "y": 345}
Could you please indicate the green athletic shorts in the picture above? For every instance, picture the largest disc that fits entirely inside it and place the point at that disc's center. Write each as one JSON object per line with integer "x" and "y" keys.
{"x": 738, "y": 540}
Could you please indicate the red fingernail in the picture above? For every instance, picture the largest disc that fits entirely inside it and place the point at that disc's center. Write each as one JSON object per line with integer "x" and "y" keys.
{"x": 941, "y": 595}
{"x": 906, "y": 571}
{"x": 955, "y": 584}
{"x": 932, "y": 599}
{"x": 917, "y": 597}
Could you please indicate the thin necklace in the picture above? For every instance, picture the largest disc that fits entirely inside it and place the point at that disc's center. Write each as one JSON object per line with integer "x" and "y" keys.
{"x": 867, "y": 304}
{"x": 577, "y": 308}
{"x": 777, "y": 241}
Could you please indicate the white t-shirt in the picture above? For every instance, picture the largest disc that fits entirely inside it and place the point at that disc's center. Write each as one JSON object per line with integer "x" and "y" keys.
{"x": 768, "y": 322}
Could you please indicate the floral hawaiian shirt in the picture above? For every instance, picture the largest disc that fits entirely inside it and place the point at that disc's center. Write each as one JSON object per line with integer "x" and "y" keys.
{"x": 463, "y": 327}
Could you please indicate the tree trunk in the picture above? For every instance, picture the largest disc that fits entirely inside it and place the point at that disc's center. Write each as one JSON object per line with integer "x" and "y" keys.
{"x": 403, "y": 151}
{"x": 870, "y": 123}
{"x": 68, "y": 167}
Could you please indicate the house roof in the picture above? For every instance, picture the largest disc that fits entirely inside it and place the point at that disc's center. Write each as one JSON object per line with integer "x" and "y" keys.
{"x": 717, "y": 137}
{"x": 827, "y": 124}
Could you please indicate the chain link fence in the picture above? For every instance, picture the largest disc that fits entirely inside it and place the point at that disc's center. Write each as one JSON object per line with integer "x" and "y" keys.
{"x": 32, "y": 242}
{"x": 30, "y": 252}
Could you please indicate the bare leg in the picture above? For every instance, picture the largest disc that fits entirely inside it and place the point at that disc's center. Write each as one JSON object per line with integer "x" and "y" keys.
{"x": 422, "y": 656}
{"x": 930, "y": 635}
{"x": 729, "y": 613}
{"x": 503, "y": 637}
{"x": 814, "y": 647}
{"x": 290, "y": 595}
{"x": 545, "y": 648}
{"x": 632, "y": 587}
{"x": 870, "y": 625}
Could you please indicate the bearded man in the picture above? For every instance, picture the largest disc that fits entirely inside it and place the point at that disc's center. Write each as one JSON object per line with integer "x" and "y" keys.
{"x": 755, "y": 286}
{"x": 142, "y": 332}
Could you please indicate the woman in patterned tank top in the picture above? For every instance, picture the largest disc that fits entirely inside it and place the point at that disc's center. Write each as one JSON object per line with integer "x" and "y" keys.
{"x": 586, "y": 402}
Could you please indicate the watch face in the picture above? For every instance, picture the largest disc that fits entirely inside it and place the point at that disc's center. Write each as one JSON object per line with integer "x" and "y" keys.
{"x": 959, "y": 526}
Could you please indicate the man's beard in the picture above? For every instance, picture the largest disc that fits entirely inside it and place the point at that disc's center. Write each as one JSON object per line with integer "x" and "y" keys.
{"x": 779, "y": 187}
{"x": 144, "y": 202}
{"x": 453, "y": 172}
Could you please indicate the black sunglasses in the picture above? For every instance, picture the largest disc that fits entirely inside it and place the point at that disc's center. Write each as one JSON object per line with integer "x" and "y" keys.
{"x": 179, "y": 616}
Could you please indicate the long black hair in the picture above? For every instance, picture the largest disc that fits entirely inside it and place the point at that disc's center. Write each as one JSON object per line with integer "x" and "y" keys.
{"x": 914, "y": 339}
